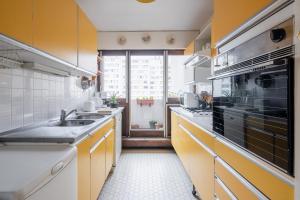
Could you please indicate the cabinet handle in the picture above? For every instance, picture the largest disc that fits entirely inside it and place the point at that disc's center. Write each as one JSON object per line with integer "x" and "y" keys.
{"x": 95, "y": 146}
{"x": 59, "y": 166}
{"x": 198, "y": 141}
{"x": 223, "y": 186}
{"x": 108, "y": 133}
{"x": 242, "y": 180}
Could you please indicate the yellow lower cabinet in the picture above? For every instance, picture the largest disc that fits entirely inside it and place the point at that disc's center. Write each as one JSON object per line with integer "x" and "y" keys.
{"x": 83, "y": 167}
{"x": 199, "y": 160}
{"x": 239, "y": 186}
{"x": 97, "y": 153}
{"x": 265, "y": 181}
{"x": 110, "y": 137}
{"x": 222, "y": 192}
{"x": 174, "y": 129}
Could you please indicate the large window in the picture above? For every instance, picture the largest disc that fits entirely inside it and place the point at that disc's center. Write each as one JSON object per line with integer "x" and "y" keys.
{"x": 176, "y": 84}
{"x": 114, "y": 79}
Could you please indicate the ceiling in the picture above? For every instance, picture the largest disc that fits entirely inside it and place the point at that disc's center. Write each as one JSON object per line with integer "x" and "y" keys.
{"x": 161, "y": 15}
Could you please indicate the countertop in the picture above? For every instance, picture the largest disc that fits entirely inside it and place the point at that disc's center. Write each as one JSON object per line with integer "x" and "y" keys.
{"x": 43, "y": 133}
{"x": 25, "y": 168}
{"x": 204, "y": 122}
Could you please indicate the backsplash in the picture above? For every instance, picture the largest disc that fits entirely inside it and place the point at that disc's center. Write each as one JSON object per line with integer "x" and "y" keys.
{"x": 28, "y": 96}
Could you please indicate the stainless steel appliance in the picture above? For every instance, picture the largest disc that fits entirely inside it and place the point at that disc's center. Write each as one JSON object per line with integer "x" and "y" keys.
{"x": 190, "y": 100}
{"x": 253, "y": 101}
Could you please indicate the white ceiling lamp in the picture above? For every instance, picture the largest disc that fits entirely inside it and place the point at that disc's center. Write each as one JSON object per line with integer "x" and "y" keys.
{"x": 145, "y": 1}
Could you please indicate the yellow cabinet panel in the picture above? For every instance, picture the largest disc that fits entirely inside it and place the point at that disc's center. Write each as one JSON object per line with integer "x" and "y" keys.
{"x": 255, "y": 174}
{"x": 97, "y": 167}
{"x": 55, "y": 28}
{"x": 200, "y": 164}
{"x": 87, "y": 43}
{"x": 101, "y": 131}
{"x": 233, "y": 183}
{"x": 220, "y": 192}
{"x": 83, "y": 167}
{"x": 16, "y": 20}
{"x": 230, "y": 14}
{"x": 109, "y": 151}
{"x": 205, "y": 137}
{"x": 190, "y": 49}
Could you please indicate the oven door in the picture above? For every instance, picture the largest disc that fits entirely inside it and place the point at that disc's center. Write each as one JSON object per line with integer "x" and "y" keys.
{"x": 254, "y": 109}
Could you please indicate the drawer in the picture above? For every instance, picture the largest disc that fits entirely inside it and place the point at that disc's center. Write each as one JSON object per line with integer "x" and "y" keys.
{"x": 238, "y": 185}
{"x": 101, "y": 131}
{"x": 221, "y": 191}
{"x": 200, "y": 134}
{"x": 271, "y": 182}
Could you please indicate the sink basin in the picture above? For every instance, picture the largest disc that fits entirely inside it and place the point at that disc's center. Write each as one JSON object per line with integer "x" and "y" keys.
{"x": 89, "y": 116}
{"x": 74, "y": 122}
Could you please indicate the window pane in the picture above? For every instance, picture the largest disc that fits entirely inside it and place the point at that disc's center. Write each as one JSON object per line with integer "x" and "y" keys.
{"x": 175, "y": 75}
{"x": 114, "y": 68}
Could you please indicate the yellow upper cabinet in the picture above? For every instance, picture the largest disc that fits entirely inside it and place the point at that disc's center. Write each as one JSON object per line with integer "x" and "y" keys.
{"x": 190, "y": 49}
{"x": 16, "y": 20}
{"x": 55, "y": 28}
{"x": 230, "y": 14}
{"x": 87, "y": 43}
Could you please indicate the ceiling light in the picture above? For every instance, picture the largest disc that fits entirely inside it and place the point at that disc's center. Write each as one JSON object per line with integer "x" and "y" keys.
{"x": 145, "y": 1}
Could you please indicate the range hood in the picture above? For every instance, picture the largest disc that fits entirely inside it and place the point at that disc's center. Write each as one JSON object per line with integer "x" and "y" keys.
{"x": 200, "y": 59}
{"x": 28, "y": 57}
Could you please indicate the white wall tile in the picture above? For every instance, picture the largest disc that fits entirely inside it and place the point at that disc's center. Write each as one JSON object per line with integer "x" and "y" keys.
{"x": 28, "y": 96}
{"x": 5, "y": 81}
{"x": 17, "y": 81}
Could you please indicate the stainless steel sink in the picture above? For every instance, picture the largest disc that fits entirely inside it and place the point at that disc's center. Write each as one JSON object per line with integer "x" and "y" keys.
{"x": 73, "y": 122}
{"x": 89, "y": 116}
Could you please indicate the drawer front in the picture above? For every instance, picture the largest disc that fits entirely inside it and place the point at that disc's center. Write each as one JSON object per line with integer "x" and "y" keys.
{"x": 240, "y": 187}
{"x": 221, "y": 191}
{"x": 199, "y": 162}
{"x": 270, "y": 185}
{"x": 100, "y": 132}
{"x": 205, "y": 137}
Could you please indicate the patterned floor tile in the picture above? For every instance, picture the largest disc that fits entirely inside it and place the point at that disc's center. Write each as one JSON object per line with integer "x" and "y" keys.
{"x": 148, "y": 175}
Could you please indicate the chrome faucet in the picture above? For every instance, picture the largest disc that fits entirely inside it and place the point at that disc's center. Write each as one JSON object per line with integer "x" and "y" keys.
{"x": 64, "y": 114}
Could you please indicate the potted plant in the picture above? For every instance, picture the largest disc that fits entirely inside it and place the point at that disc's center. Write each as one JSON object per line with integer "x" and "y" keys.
{"x": 152, "y": 124}
{"x": 113, "y": 101}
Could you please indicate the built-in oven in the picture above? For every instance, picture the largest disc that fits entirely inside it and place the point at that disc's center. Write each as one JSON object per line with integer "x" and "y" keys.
{"x": 253, "y": 102}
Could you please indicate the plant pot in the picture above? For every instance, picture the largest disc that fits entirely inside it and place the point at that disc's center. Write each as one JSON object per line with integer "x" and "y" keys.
{"x": 152, "y": 125}
{"x": 113, "y": 105}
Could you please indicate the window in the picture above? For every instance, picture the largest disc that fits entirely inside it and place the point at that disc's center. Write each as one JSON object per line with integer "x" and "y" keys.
{"x": 114, "y": 79}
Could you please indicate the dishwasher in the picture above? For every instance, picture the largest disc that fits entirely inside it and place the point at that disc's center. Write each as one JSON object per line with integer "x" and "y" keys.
{"x": 118, "y": 138}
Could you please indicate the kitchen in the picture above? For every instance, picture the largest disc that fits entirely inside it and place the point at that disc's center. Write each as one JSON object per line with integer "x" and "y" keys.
{"x": 139, "y": 100}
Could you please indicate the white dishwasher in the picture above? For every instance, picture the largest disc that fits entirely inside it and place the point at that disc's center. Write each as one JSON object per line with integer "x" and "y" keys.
{"x": 38, "y": 172}
{"x": 118, "y": 138}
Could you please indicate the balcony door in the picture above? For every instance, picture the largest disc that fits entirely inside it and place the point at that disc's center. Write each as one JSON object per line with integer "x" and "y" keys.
{"x": 147, "y": 91}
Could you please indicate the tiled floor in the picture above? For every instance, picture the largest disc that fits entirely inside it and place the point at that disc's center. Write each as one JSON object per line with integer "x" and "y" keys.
{"x": 148, "y": 175}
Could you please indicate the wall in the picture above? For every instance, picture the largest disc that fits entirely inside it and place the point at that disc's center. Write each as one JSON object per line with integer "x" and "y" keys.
{"x": 109, "y": 40}
{"x": 27, "y": 96}
{"x": 297, "y": 101}
{"x": 230, "y": 14}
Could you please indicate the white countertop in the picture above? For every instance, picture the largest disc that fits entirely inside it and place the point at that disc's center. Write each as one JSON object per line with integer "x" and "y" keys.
{"x": 54, "y": 134}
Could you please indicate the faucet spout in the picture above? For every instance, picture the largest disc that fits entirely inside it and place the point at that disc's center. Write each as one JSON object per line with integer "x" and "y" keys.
{"x": 64, "y": 114}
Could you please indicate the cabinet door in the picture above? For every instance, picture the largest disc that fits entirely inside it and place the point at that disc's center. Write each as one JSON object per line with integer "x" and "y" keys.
{"x": 55, "y": 28}
{"x": 200, "y": 161}
{"x": 16, "y": 20}
{"x": 83, "y": 167}
{"x": 97, "y": 167}
{"x": 110, "y": 137}
{"x": 87, "y": 43}
{"x": 222, "y": 192}
{"x": 190, "y": 49}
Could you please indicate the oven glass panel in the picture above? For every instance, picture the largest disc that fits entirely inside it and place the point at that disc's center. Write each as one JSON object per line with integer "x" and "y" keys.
{"x": 252, "y": 110}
